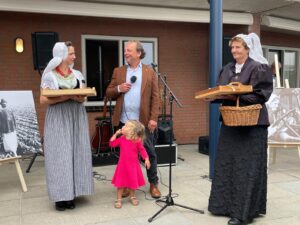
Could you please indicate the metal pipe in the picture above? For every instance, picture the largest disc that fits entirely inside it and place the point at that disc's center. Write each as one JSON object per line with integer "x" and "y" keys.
{"x": 215, "y": 66}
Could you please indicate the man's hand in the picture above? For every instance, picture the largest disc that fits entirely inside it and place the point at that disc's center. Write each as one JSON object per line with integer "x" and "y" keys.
{"x": 125, "y": 87}
{"x": 152, "y": 125}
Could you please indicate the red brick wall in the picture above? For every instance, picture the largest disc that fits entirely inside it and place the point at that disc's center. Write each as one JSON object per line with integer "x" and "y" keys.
{"x": 280, "y": 39}
{"x": 182, "y": 50}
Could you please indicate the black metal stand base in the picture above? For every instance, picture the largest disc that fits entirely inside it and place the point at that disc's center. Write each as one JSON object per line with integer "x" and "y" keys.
{"x": 170, "y": 202}
{"x": 32, "y": 161}
{"x": 179, "y": 157}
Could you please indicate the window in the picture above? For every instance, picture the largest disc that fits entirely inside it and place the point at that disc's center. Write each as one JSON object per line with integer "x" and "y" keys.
{"x": 101, "y": 54}
{"x": 289, "y": 59}
{"x": 227, "y": 56}
{"x": 290, "y": 70}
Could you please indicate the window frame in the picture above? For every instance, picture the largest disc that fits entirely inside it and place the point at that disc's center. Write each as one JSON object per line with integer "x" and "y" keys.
{"x": 283, "y": 49}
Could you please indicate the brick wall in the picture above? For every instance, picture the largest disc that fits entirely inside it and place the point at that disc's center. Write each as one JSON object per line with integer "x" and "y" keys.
{"x": 280, "y": 39}
{"x": 182, "y": 50}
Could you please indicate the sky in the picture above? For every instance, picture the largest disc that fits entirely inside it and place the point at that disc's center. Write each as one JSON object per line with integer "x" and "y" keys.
{"x": 17, "y": 98}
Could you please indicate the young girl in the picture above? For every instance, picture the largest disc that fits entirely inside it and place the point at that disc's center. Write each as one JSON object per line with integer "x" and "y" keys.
{"x": 128, "y": 173}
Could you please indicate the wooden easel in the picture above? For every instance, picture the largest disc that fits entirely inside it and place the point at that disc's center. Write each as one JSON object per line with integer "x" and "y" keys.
{"x": 19, "y": 170}
{"x": 285, "y": 144}
{"x": 281, "y": 145}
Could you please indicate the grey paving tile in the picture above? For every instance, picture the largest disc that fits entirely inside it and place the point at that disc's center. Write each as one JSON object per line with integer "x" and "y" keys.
{"x": 283, "y": 207}
{"x": 50, "y": 218}
{"x": 36, "y": 191}
{"x": 36, "y": 205}
{"x": 280, "y": 176}
{"x": 294, "y": 220}
{"x": 293, "y": 172}
{"x": 8, "y": 168}
{"x": 167, "y": 217}
{"x": 275, "y": 191}
{"x": 125, "y": 221}
{"x": 10, "y": 220}
{"x": 37, "y": 180}
{"x": 10, "y": 190}
{"x": 99, "y": 214}
{"x": 206, "y": 218}
{"x": 10, "y": 208}
{"x": 293, "y": 186}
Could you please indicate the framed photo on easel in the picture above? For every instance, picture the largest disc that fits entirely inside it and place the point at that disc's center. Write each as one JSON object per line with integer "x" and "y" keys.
{"x": 19, "y": 132}
{"x": 284, "y": 115}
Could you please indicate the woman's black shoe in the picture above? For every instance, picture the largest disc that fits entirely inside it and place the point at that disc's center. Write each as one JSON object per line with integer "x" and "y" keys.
{"x": 70, "y": 204}
{"x": 60, "y": 206}
{"x": 235, "y": 221}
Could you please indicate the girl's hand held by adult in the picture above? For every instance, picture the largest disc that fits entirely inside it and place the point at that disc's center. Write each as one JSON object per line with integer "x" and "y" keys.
{"x": 147, "y": 164}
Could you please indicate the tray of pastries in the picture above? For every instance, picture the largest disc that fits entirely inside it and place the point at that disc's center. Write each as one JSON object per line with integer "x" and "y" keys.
{"x": 60, "y": 92}
{"x": 233, "y": 88}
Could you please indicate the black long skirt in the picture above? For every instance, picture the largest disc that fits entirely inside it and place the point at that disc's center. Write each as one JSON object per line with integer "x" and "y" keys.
{"x": 239, "y": 186}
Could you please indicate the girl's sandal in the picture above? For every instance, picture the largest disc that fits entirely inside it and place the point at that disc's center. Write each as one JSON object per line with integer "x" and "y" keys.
{"x": 118, "y": 203}
{"x": 134, "y": 201}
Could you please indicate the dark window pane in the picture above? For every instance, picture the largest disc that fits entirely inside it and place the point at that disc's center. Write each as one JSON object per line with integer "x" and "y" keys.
{"x": 102, "y": 56}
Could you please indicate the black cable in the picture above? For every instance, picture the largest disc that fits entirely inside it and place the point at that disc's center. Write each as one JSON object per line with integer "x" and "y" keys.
{"x": 145, "y": 195}
{"x": 174, "y": 195}
{"x": 161, "y": 181}
{"x": 100, "y": 177}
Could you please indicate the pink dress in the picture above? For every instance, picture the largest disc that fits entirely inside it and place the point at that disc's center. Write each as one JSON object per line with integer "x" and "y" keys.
{"x": 128, "y": 172}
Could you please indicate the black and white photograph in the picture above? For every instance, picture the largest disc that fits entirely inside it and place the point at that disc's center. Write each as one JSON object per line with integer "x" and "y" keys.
{"x": 19, "y": 132}
{"x": 284, "y": 115}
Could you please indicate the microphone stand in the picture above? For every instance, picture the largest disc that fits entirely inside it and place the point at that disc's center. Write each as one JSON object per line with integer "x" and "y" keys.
{"x": 165, "y": 97}
{"x": 164, "y": 106}
{"x": 169, "y": 199}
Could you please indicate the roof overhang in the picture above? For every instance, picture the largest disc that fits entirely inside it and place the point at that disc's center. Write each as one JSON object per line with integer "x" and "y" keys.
{"x": 121, "y": 11}
{"x": 279, "y": 23}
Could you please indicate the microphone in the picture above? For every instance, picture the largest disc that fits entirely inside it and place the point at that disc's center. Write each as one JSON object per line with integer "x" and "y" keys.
{"x": 154, "y": 65}
{"x": 133, "y": 79}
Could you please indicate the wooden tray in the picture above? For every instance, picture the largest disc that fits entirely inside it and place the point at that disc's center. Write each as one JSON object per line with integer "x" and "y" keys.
{"x": 80, "y": 91}
{"x": 230, "y": 89}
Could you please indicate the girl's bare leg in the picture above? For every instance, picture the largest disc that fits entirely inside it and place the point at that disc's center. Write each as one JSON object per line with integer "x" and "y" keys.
{"x": 118, "y": 202}
{"x": 132, "y": 198}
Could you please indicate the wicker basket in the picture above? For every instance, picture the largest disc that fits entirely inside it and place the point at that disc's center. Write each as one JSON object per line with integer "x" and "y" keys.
{"x": 240, "y": 116}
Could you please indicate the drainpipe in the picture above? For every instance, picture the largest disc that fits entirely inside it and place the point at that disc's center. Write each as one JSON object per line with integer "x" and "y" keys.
{"x": 215, "y": 65}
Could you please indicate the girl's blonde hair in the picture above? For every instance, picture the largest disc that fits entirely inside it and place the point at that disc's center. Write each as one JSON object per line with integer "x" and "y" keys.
{"x": 137, "y": 129}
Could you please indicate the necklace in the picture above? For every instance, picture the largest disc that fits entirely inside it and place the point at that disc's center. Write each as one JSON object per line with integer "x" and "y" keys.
{"x": 62, "y": 73}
